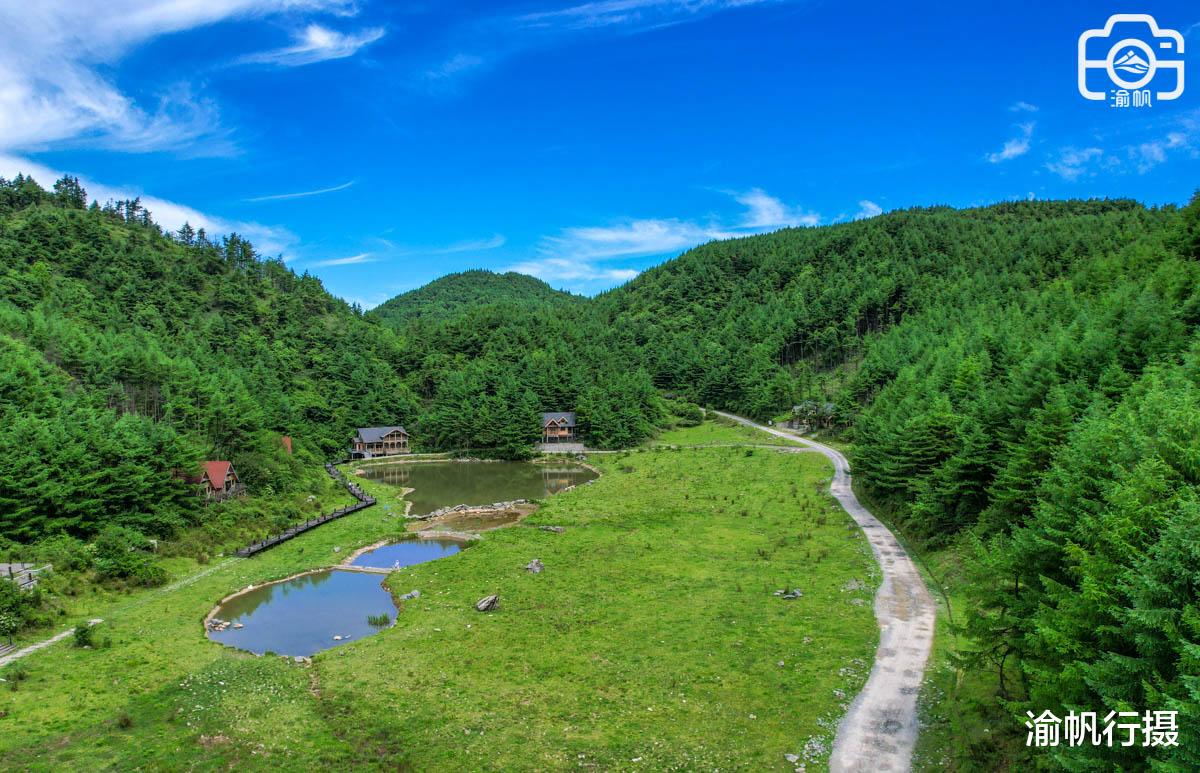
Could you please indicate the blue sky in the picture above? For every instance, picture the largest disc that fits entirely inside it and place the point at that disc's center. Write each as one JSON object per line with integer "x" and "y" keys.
{"x": 379, "y": 145}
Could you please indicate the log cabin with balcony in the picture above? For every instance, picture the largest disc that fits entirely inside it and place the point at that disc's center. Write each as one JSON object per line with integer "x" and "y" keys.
{"x": 559, "y": 427}
{"x": 373, "y": 442}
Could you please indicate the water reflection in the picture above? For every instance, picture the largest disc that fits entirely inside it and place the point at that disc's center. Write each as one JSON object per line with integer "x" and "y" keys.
{"x": 303, "y": 615}
{"x": 443, "y": 484}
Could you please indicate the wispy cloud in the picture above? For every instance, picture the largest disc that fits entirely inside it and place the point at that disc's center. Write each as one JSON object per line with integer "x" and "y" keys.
{"x": 868, "y": 208}
{"x": 456, "y": 65}
{"x": 301, "y": 194}
{"x": 469, "y": 245}
{"x": 575, "y": 254}
{"x": 765, "y": 211}
{"x": 54, "y": 86}
{"x": 316, "y": 43}
{"x": 362, "y": 257}
{"x": 1023, "y": 107}
{"x": 1073, "y": 163}
{"x": 267, "y": 239}
{"x": 563, "y": 270}
{"x": 626, "y": 13}
{"x": 1176, "y": 136}
{"x": 1015, "y": 147}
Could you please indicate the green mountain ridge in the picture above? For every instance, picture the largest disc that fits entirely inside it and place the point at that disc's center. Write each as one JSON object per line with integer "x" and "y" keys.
{"x": 1020, "y": 383}
{"x": 455, "y": 293}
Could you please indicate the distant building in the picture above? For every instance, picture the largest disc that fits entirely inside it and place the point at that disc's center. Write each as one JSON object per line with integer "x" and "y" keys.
{"x": 218, "y": 480}
{"x": 370, "y": 442}
{"x": 558, "y": 427}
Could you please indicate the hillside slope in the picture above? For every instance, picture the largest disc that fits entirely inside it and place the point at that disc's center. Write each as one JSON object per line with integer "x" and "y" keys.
{"x": 455, "y": 293}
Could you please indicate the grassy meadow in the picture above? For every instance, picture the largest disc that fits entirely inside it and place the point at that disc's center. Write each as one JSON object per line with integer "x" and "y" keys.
{"x": 652, "y": 641}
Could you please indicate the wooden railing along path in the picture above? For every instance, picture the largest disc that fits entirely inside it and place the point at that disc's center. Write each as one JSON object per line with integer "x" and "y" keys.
{"x": 364, "y": 501}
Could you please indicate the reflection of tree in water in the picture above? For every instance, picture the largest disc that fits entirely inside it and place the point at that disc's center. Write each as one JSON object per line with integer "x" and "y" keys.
{"x": 246, "y": 604}
{"x": 445, "y": 484}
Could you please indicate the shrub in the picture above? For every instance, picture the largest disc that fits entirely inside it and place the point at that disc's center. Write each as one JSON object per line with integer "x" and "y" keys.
{"x": 121, "y": 554}
{"x": 65, "y": 553}
{"x": 85, "y": 635}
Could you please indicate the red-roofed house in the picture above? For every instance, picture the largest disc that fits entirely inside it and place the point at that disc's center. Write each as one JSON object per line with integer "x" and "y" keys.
{"x": 218, "y": 480}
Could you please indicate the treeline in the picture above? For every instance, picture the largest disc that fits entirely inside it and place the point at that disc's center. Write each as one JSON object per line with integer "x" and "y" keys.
{"x": 128, "y": 354}
{"x": 1022, "y": 383}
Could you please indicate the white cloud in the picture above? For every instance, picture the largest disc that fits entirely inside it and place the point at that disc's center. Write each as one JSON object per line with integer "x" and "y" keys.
{"x": 1072, "y": 163}
{"x": 766, "y": 211}
{"x": 563, "y": 270}
{"x": 268, "y": 240}
{"x": 574, "y": 254}
{"x": 1017, "y": 146}
{"x": 316, "y": 44}
{"x": 1147, "y": 155}
{"x": 362, "y": 257}
{"x": 301, "y": 194}
{"x": 53, "y": 83}
{"x": 1023, "y": 107}
{"x": 631, "y": 238}
{"x": 868, "y": 208}
{"x": 649, "y": 13}
{"x": 456, "y": 65}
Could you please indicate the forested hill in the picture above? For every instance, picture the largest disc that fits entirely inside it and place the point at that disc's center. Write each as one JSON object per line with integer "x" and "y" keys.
{"x": 127, "y": 355}
{"x": 455, "y": 293}
{"x": 1021, "y": 382}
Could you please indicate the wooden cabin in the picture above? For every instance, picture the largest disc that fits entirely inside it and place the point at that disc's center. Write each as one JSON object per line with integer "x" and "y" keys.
{"x": 218, "y": 480}
{"x": 558, "y": 427}
{"x": 370, "y": 442}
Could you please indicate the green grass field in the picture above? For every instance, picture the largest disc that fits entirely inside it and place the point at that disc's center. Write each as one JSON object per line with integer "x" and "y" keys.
{"x": 718, "y": 432}
{"x": 651, "y": 641}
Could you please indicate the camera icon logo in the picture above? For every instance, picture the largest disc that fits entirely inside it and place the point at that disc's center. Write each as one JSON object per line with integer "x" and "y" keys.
{"x": 1137, "y": 55}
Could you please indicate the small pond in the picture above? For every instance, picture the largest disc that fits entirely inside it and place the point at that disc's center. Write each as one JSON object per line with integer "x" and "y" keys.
{"x": 302, "y": 615}
{"x": 443, "y": 484}
{"x": 398, "y": 555}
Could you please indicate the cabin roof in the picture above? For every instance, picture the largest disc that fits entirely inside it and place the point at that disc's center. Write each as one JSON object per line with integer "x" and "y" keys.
{"x": 375, "y": 434}
{"x": 216, "y": 472}
{"x": 557, "y": 417}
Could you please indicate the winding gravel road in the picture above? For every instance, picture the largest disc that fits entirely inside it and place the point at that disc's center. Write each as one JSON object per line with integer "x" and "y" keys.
{"x": 880, "y": 729}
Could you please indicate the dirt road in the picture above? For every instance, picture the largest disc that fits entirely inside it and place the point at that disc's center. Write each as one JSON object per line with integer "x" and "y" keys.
{"x": 880, "y": 729}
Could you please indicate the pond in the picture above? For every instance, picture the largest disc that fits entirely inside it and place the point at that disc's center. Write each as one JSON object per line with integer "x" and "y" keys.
{"x": 303, "y": 615}
{"x": 444, "y": 484}
{"x": 398, "y": 555}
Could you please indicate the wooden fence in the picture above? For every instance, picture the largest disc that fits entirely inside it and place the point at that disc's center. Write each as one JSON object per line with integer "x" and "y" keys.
{"x": 364, "y": 501}
{"x": 24, "y": 576}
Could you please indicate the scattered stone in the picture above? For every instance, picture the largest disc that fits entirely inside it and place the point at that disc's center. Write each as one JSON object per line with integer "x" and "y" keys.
{"x": 858, "y": 602}
{"x": 487, "y": 603}
{"x": 238, "y": 625}
{"x": 555, "y": 529}
{"x": 412, "y": 594}
{"x": 807, "y": 640}
{"x": 536, "y": 566}
{"x": 337, "y": 638}
{"x": 853, "y": 585}
{"x": 839, "y": 694}
{"x": 795, "y": 593}
{"x": 780, "y": 592}
{"x": 337, "y": 549}
{"x": 792, "y": 758}
{"x": 780, "y": 664}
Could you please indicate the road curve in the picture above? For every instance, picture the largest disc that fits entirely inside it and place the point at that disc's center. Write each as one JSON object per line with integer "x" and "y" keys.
{"x": 880, "y": 729}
